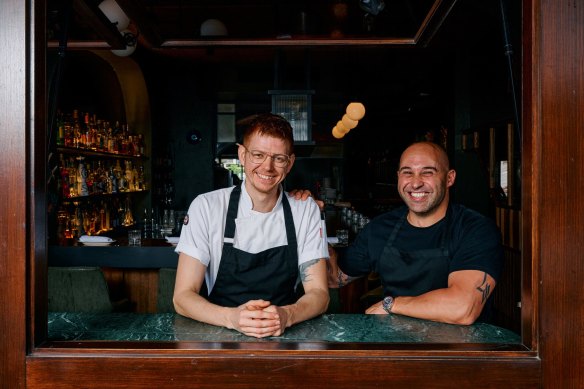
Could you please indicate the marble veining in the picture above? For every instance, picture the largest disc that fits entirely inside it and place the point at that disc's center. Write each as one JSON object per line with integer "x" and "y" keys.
{"x": 354, "y": 328}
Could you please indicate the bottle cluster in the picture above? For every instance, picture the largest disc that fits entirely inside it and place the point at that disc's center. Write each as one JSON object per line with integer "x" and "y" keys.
{"x": 160, "y": 223}
{"x": 79, "y": 177}
{"x": 93, "y": 218}
{"x": 85, "y": 131}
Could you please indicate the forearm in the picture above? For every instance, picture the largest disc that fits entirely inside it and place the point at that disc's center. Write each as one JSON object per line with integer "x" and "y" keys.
{"x": 443, "y": 305}
{"x": 313, "y": 303}
{"x": 194, "y": 306}
{"x": 335, "y": 276}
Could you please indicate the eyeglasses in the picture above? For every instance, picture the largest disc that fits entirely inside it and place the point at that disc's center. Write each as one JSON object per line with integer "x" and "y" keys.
{"x": 258, "y": 157}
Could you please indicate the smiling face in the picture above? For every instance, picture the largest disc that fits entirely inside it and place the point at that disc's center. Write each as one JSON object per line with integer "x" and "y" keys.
{"x": 263, "y": 178}
{"x": 423, "y": 179}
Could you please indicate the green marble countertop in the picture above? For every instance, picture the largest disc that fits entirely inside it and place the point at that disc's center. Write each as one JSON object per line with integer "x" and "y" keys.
{"x": 355, "y": 328}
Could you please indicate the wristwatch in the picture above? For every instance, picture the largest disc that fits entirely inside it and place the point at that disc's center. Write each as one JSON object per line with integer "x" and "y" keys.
{"x": 387, "y": 304}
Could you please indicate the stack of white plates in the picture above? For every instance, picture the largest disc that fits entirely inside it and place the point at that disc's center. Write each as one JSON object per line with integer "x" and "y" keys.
{"x": 89, "y": 240}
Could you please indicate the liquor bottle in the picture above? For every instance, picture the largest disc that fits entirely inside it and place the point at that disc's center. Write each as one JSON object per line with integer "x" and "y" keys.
{"x": 135, "y": 179}
{"x": 68, "y": 124}
{"x": 82, "y": 189}
{"x": 129, "y": 176}
{"x": 76, "y": 133}
{"x": 128, "y": 217}
{"x": 140, "y": 145}
{"x": 171, "y": 221}
{"x": 62, "y": 221}
{"x": 120, "y": 177}
{"x": 100, "y": 179}
{"x": 64, "y": 178}
{"x": 115, "y": 138}
{"x": 79, "y": 230}
{"x": 115, "y": 213}
{"x": 147, "y": 225}
{"x": 89, "y": 133}
{"x": 101, "y": 217}
{"x": 60, "y": 129}
{"x": 112, "y": 181}
{"x": 90, "y": 177}
{"x": 155, "y": 224}
{"x": 123, "y": 140}
{"x": 109, "y": 143}
{"x": 101, "y": 136}
{"x": 141, "y": 179}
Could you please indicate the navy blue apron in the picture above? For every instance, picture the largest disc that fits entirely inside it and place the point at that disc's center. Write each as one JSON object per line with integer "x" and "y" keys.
{"x": 419, "y": 270}
{"x": 269, "y": 275}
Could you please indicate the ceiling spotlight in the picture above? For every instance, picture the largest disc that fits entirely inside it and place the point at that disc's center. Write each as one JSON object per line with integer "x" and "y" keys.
{"x": 131, "y": 43}
{"x": 372, "y": 7}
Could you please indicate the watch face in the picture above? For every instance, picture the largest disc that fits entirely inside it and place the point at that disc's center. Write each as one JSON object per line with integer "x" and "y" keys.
{"x": 387, "y": 303}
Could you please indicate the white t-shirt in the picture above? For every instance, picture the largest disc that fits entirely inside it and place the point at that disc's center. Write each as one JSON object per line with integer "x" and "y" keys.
{"x": 202, "y": 237}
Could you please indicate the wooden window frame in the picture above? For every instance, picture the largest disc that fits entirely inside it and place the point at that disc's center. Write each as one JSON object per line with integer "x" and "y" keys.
{"x": 127, "y": 364}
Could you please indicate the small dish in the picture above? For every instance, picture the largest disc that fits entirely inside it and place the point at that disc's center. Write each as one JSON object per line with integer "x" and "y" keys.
{"x": 173, "y": 240}
{"x": 97, "y": 244}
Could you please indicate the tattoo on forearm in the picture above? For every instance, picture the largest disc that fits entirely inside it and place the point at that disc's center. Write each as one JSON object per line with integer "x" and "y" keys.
{"x": 484, "y": 288}
{"x": 344, "y": 279}
{"x": 304, "y": 269}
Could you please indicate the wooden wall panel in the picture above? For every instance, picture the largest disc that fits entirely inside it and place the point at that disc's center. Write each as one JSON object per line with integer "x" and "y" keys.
{"x": 298, "y": 370}
{"x": 507, "y": 294}
{"x": 139, "y": 286}
{"x": 14, "y": 126}
{"x": 561, "y": 205}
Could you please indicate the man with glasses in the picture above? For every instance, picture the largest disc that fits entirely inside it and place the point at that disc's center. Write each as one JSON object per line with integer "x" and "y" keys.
{"x": 250, "y": 243}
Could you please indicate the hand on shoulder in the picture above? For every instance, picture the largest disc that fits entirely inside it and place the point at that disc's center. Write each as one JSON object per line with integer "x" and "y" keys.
{"x": 305, "y": 194}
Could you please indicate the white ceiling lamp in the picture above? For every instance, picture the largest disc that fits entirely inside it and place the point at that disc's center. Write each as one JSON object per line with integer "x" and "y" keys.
{"x": 115, "y": 14}
{"x": 213, "y": 27}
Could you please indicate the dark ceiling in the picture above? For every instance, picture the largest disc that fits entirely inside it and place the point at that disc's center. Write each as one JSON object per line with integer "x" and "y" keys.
{"x": 177, "y": 23}
{"x": 401, "y": 61}
{"x": 329, "y": 28}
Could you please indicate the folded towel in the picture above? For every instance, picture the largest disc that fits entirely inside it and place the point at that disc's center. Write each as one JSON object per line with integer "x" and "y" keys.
{"x": 172, "y": 239}
{"x": 95, "y": 239}
{"x": 332, "y": 239}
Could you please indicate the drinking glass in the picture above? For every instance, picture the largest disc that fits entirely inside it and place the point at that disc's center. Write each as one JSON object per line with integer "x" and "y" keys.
{"x": 343, "y": 237}
{"x": 134, "y": 238}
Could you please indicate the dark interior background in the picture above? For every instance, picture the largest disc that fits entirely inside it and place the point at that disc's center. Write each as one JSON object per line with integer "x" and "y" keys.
{"x": 458, "y": 82}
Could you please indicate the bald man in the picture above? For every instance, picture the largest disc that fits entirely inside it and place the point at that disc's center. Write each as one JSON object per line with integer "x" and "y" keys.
{"x": 436, "y": 260}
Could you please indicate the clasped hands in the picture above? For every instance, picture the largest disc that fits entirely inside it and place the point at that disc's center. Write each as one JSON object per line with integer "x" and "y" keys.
{"x": 259, "y": 318}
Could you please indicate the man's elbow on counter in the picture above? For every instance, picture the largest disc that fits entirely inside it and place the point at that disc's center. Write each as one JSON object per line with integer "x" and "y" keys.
{"x": 465, "y": 316}
{"x": 327, "y": 300}
{"x": 177, "y": 306}
{"x": 324, "y": 300}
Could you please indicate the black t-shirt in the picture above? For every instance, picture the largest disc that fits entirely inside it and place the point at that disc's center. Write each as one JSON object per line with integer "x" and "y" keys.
{"x": 474, "y": 243}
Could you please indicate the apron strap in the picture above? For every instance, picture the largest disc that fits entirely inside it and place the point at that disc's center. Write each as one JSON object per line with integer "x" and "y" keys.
{"x": 232, "y": 215}
{"x": 289, "y": 221}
